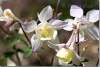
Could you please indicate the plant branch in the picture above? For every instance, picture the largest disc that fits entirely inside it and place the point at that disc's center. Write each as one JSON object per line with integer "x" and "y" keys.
{"x": 20, "y": 24}
{"x": 78, "y": 44}
{"x": 18, "y": 59}
{"x": 56, "y": 10}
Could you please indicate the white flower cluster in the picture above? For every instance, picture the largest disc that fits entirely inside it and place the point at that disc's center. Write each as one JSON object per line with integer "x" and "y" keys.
{"x": 46, "y": 30}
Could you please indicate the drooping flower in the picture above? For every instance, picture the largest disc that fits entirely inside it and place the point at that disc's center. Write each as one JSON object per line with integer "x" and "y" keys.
{"x": 65, "y": 55}
{"x": 6, "y": 15}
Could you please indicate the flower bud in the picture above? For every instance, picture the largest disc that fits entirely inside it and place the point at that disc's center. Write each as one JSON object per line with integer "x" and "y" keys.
{"x": 65, "y": 55}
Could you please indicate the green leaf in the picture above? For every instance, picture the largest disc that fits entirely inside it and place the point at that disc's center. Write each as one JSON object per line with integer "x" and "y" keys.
{"x": 27, "y": 51}
{"x": 8, "y": 54}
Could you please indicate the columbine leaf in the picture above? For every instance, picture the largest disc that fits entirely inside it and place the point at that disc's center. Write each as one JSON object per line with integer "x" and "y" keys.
{"x": 27, "y": 51}
{"x": 8, "y": 54}
{"x": 36, "y": 43}
{"x": 29, "y": 26}
{"x": 76, "y": 11}
{"x": 93, "y": 15}
{"x": 45, "y": 14}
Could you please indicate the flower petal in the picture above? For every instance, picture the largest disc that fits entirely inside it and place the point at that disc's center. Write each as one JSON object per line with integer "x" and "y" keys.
{"x": 93, "y": 15}
{"x": 1, "y": 11}
{"x": 69, "y": 25}
{"x": 2, "y": 18}
{"x": 93, "y": 32}
{"x": 81, "y": 37}
{"x": 58, "y": 24}
{"x": 45, "y": 14}
{"x": 10, "y": 62}
{"x": 29, "y": 26}
{"x": 76, "y": 11}
{"x": 36, "y": 43}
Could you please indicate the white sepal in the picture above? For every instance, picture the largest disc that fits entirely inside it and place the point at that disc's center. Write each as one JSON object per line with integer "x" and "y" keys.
{"x": 36, "y": 43}
{"x": 92, "y": 15}
{"x": 1, "y": 11}
{"x": 69, "y": 25}
{"x": 93, "y": 32}
{"x": 29, "y": 26}
{"x": 76, "y": 11}
{"x": 58, "y": 24}
{"x": 45, "y": 14}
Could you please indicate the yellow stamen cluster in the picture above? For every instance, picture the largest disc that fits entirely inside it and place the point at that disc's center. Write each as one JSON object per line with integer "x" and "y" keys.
{"x": 46, "y": 32}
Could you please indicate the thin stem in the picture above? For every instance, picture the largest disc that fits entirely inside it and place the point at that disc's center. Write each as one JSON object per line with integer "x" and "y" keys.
{"x": 18, "y": 59}
{"x": 78, "y": 45}
{"x": 70, "y": 41}
{"x": 25, "y": 35}
{"x": 20, "y": 24}
{"x": 56, "y": 10}
{"x": 97, "y": 59}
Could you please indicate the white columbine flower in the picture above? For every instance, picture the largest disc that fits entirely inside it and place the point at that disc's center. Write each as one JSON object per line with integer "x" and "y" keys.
{"x": 7, "y": 14}
{"x": 44, "y": 30}
{"x": 66, "y": 55}
{"x": 86, "y": 22}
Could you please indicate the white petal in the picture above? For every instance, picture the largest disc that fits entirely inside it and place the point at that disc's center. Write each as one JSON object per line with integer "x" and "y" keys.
{"x": 10, "y": 63}
{"x": 93, "y": 15}
{"x": 58, "y": 24}
{"x": 45, "y": 14}
{"x": 1, "y": 11}
{"x": 36, "y": 43}
{"x": 76, "y": 11}
{"x": 82, "y": 20}
{"x": 68, "y": 28}
{"x": 61, "y": 45}
{"x": 81, "y": 37}
{"x": 7, "y": 19}
{"x": 20, "y": 31}
{"x": 29, "y": 26}
{"x": 2, "y": 18}
{"x": 93, "y": 32}
{"x": 69, "y": 25}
